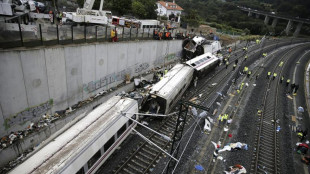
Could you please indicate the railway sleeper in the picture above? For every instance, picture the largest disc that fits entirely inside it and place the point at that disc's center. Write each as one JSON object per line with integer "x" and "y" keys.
{"x": 266, "y": 154}
{"x": 142, "y": 160}
{"x": 168, "y": 133}
{"x": 171, "y": 124}
{"x": 161, "y": 144}
{"x": 267, "y": 147}
{"x": 139, "y": 164}
{"x": 158, "y": 138}
{"x": 128, "y": 171}
{"x": 148, "y": 152}
{"x": 266, "y": 163}
{"x": 266, "y": 142}
{"x": 152, "y": 148}
{"x": 168, "y": 128}
{"x": 145, "y": 156}
{"x": 134, "y": 168}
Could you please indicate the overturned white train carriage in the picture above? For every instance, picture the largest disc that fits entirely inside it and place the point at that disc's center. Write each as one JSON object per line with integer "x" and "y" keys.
{"x": 85, "y": 146}
{"x": 170, "y": 89}
{"x": 199, "y": 45}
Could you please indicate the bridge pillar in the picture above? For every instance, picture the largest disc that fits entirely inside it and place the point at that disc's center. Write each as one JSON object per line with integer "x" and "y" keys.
{"x": 288, "y": 27}
{"x": 257, "y": 16}
{"x": 274, "y": 22}
{"x": 250, "y": 13}
{"x": 266, "y": 20}
{"x": 298, "y": 28}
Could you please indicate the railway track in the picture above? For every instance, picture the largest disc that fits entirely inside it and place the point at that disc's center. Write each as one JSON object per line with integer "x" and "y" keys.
{"x": 266, "y": 153}
{"x": 232, "y": 112}
{"x": 144, "y": 158}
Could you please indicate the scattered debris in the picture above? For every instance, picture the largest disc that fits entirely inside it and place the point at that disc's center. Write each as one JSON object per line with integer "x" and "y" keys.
{"x": 199, "y": 167}
{"x": 218, "y": 103}
{"x": 302, "y": 148}
{"x": 234, "y": 146}
{"x": 236, "y": 169}
{"x": 211, "y": 120}
{"x": 200, "y": 95}
{"x": 225, "y": 129}
{"x": 194, "y": 111}
{"x": 213, "y": 84}
{"x": 278, "y": 128}
{"x": 144, "y": 123}
{"x": 300, "y": 110}
{"x": 288, "y": 96}
{"x": 207, "y": 126}
{"x": 229, "y": 135}
{"x": 214, "y": 112}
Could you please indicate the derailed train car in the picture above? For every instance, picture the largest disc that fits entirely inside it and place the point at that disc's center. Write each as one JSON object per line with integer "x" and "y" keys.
{"x": 170, "y": 89}
{"x": 85, "y": 146}
{"x": 199, "y": 45}
{"x": 165, "y": 94}
{"x": 203, "y": 64}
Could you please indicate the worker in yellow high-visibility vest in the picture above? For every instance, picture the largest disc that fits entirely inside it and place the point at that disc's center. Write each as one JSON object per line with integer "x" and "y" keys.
{"x": 288, "y": 82}
{"x": 274, "y": 76}
{"x": 245, "y": 57}
{"x": 268, "y": 75}
{"x": 245, "y": 69}
{"x": 281, "y": 63}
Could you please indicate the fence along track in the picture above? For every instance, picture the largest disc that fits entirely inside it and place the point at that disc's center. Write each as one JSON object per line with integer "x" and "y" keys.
{"x": 266, "y": 154}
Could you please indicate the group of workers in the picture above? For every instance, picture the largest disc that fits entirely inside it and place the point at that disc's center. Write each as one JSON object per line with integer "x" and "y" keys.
{"x": 222, "y": 119}
{"x": 294, "y": 87}
{"x": 160, "y": 75}
{"x": 164, "y": 35}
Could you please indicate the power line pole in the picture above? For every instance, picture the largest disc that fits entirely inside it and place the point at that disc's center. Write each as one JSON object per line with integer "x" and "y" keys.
{"x": 178, "y": 132}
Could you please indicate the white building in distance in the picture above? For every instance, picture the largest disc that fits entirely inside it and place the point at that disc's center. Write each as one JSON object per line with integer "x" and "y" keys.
{"x": 169, "y": 8}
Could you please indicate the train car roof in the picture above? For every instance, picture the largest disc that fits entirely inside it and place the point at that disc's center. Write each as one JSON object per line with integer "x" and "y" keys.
{"x": 171, "y": 80}
{"x": 53, "y": 157}
{"x": 202, "y": 61}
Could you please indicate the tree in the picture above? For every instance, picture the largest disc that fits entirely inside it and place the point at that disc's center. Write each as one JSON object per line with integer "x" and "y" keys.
{"x": 138, "y": 9}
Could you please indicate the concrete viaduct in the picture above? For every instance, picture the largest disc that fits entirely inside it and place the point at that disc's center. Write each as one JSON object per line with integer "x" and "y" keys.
{"x": 276, "y": 17}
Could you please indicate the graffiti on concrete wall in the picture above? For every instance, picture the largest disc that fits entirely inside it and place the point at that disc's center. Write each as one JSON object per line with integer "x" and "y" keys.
{"x": 141, "y": 67}
{"x": 106, "y": 80}
{"x": 167, "y": 58}
{"x": 28, "y": 114}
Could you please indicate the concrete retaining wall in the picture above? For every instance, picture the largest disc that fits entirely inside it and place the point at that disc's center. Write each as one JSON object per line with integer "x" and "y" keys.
{"x": 40, "y": 80}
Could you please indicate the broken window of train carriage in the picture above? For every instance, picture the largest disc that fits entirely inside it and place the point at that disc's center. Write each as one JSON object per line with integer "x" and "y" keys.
{"x": 121, "y": 130}
{"x": 81, "y": 171}
{"x": 93, "y": 159}
{"x": 108, "y": 144}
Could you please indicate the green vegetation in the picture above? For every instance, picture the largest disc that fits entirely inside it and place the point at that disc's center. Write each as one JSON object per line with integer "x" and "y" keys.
{"x": 222, "y": 14}
{"x": 226, "y": 14}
